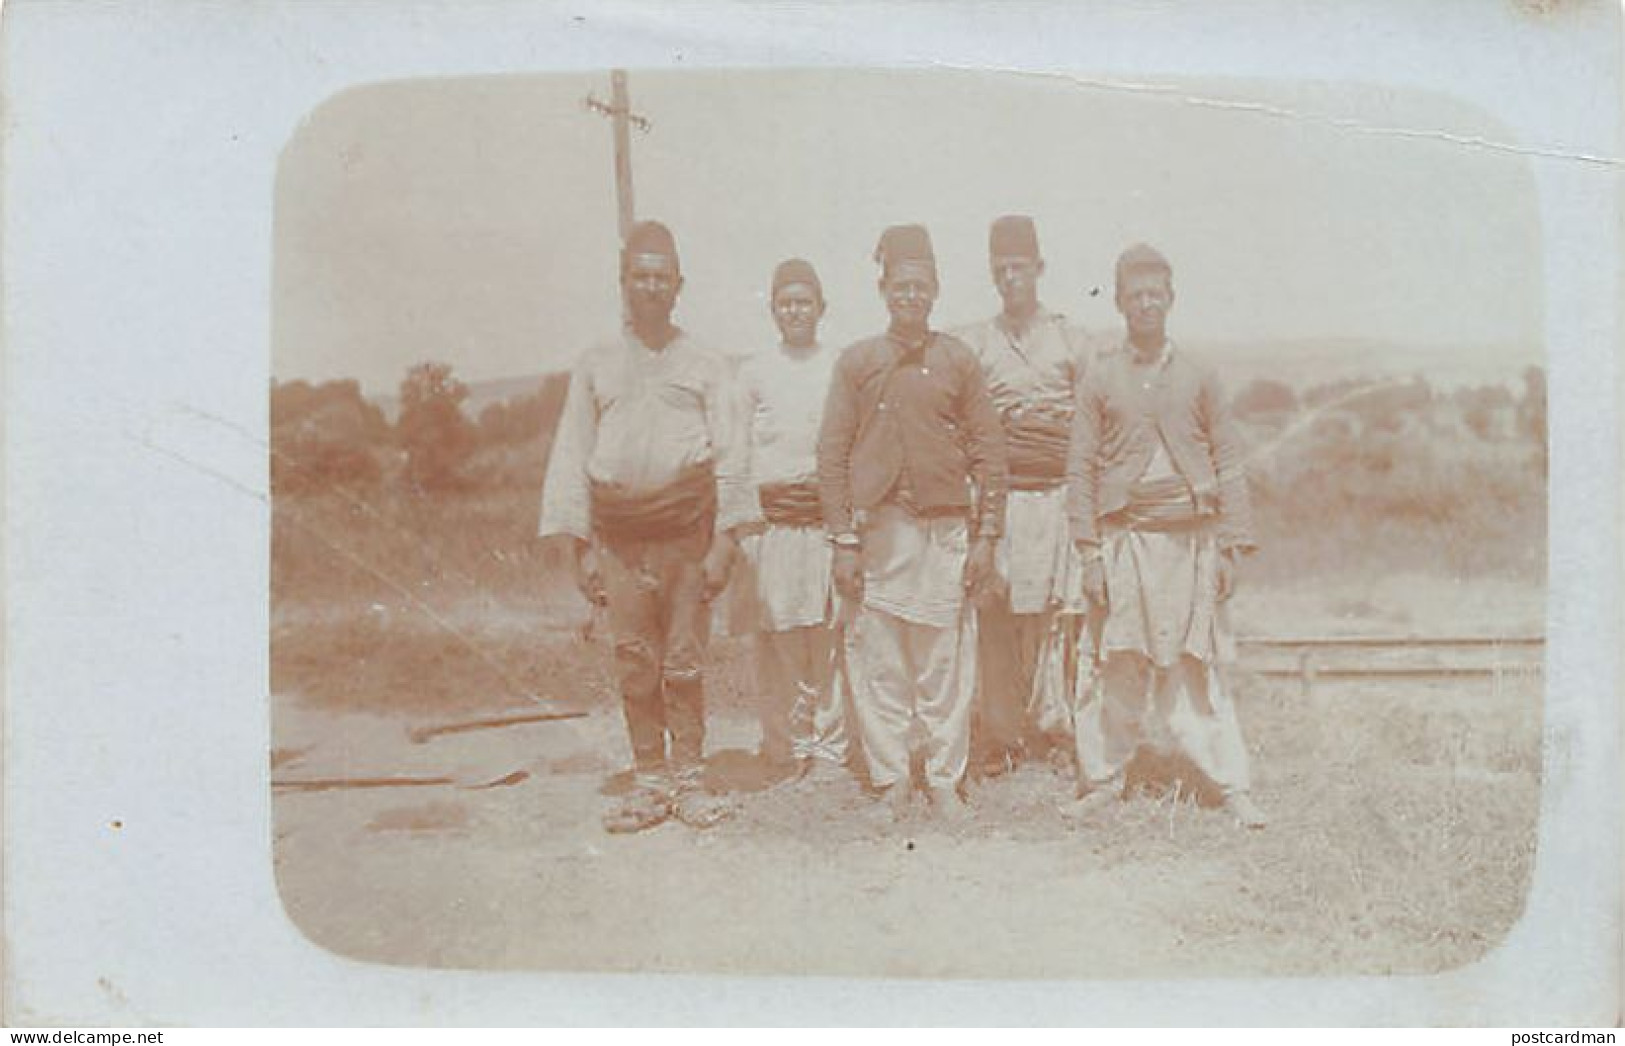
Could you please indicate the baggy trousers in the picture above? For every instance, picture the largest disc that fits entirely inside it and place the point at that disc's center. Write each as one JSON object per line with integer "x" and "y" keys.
{"x": 902, "y": 670}
{"x": 1181, "y": 708}
{"x": 1026, "y": 653}
{"x": 803, "y": 709}
{"x": 1159, "y": 684}
{"x": 1008, "y": 658}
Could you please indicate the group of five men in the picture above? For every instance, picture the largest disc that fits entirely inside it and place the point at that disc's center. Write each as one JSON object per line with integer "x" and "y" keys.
{"x": 1015, "y": 529}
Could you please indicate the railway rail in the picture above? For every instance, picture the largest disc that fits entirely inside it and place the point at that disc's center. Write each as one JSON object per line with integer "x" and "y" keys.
{"x": 1316, "y": 658}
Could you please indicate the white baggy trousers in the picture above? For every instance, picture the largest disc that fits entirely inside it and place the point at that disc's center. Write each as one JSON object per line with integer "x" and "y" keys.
{"x": 911, "y": 648}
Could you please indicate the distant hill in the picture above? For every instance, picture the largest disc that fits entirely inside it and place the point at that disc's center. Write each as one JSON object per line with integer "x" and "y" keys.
{"x": 1309, "y": 362}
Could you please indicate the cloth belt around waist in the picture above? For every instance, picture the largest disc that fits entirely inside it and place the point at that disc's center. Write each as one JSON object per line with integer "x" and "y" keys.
{"x": 795, "y": 504}
{"x": 1163, "y": 504}
{"x": 681, "y": 507}
{"x": 915, "y": 512}
{"x": 1036, "y": 444}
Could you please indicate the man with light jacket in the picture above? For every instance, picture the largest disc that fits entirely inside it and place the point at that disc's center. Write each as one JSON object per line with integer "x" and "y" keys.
{"x": 1158, "y": 506}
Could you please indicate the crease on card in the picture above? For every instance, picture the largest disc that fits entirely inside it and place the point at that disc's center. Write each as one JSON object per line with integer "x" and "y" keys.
{"x": 167, "y": 448}
{"x": 1176, "y": 94}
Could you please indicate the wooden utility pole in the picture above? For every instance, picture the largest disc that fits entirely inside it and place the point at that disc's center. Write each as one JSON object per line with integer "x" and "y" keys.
{"x": 619, "y": 110}
{"x": 622, "y": 108}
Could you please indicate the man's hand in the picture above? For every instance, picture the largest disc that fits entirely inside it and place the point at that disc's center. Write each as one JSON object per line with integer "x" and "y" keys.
{"x": 848, "y": 572}
{"x": 583, "y": 566}
{"x": 1227, "y": 574}
{"x": 718, "y": 565}
{"x": 1094, "y": 578}
{"x": 981, "y": 577}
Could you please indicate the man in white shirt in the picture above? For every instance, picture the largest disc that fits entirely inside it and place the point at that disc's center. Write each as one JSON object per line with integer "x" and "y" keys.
{"x": 647, "y": 477}
{"x": 785, "y": 562}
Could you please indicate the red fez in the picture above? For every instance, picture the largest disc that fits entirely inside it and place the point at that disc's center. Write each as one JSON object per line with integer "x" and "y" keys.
{"x": 1142, "y": 258}
{"x": 1013, "y": 236}
{"x": 650, "y": 238}
{"x": 905, "y": 243}
{"x": 796, "y": 270}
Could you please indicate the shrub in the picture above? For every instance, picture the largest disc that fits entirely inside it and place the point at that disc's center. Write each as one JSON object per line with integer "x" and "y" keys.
{"x": 437, "y": 438}
{"x": 324, "y": 436}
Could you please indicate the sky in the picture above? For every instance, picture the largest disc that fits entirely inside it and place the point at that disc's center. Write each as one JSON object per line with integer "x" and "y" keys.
{"x": 472, "y": 221}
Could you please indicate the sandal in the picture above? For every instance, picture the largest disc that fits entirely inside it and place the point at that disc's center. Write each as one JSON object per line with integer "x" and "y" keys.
{"x": 638, "y": 812}
{"x": 699, "y": 809}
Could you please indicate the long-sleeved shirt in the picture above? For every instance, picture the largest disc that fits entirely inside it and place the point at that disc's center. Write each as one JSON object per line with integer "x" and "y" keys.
{"x": 1039, "y": 368}
{"x": 637, "y": 418}
{"x": 1125, "y": 413}
{"x": 914, "y": 421}
{"x": 1033, "y": 376}
{"x": 782, "y": 397}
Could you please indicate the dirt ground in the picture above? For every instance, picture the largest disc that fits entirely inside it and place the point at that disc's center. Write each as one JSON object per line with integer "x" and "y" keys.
{"x": 1401, "y": 841}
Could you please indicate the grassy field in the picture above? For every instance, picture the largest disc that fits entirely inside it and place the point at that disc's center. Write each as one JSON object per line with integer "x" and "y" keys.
{"x": 1401, "y": 842}
{"x": 382, "y": 600}
{"x": 1403, "y": 813}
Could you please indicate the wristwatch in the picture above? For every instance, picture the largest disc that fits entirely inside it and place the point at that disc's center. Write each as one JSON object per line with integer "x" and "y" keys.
{"x": 847, "y": 540}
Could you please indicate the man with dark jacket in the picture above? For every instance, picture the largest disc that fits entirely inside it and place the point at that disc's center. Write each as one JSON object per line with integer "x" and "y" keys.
{"x": 1158, "y": 507}
{"x": 911, "y": 466}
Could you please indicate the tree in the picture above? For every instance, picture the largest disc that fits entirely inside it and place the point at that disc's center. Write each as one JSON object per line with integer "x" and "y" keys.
{"x": 437, "y": 438}
{"x": 323, "y": 435}
{"x": 1485, "y": 409}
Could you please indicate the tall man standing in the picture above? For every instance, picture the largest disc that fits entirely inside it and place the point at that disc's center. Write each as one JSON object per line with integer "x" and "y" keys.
{"x": 646, "y": 479}
{"x": 1157, "y": 500}
{"x": 1034, "y": 364}
{"x": 911, "y": 465}
{"x": 786, "y": 584}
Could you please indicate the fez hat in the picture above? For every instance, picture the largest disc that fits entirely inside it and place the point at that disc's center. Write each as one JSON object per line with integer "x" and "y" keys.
{"x": 1142, "y": 258}
{"x": 1013, "y": 236}
{"x": 796, "y": 270}
{"x": 650, "y": 238}
{"x": 905, "y": 243}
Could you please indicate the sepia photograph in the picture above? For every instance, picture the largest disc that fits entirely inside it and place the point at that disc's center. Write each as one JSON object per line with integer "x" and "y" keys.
{"x": 904, "y": 523}
{"x": 1095, "y": 514}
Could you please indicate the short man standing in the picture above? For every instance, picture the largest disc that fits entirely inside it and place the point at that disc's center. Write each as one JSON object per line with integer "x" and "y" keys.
{"x": 647, "y": 476}
{"x": 1157, "y": 499}
{"x": 1028, "y": 631}
{"x": 785, "y": 584}
{"x": 911, "y": 465}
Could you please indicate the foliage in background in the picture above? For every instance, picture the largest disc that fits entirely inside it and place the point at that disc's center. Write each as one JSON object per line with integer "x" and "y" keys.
{"x": 1348, "y": 477}
{"x": 437, "y": 438}
{"x": 524, "y": 418}
{"x": 325, "y": 437}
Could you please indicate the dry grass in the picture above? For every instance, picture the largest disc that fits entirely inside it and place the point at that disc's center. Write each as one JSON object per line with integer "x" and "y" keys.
{"x": 1401, "y": 839}
{"x": 1403, "y": 816}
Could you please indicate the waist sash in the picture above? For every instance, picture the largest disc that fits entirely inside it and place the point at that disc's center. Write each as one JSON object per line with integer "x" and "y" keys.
{"x": 1036, "y": 442}
{"x": 791, "y": 504}
{"x": 1165, "y": 503}
{"x": 686, "y": 504}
